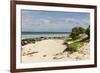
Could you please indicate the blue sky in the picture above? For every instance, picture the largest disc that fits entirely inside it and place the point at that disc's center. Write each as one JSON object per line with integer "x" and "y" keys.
{"x": 53, "y": 21}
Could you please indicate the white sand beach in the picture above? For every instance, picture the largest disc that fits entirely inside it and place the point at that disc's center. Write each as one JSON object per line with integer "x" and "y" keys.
{"x": 51, "y": 50}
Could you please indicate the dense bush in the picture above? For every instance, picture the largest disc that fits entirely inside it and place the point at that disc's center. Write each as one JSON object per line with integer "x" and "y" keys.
{"x": 88, "y": 32}
{"x": 73, "y": 46}
{"x": 76, "y": 31}
{"x": 78, "y": 38}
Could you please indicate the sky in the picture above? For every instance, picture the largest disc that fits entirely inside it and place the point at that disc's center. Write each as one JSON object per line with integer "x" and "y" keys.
{"x": 53, "y": 21}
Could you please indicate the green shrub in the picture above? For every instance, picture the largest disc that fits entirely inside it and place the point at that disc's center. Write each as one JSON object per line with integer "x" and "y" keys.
{"x": 88, "y": 32}
{"x": 73, "y": 46}
{"x": 69, "y": 39}
{"x": 76, "y": 31}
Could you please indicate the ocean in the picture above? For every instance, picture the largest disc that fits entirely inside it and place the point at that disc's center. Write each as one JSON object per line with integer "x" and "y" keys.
{"x": 26, "y": 35}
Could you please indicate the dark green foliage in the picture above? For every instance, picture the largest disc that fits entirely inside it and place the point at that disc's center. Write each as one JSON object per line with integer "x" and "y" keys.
{"x": 84, "y": 40}
{"x": 77, "y": 39}
{"x": 88, "y": 32}
{"x": 73, "y": 46}
{"x": 66, "y": 40}
{"x": 76, "y": 32}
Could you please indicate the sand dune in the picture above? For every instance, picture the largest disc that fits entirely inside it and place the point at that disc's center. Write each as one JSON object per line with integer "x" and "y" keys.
{"x": 51, "y": 50}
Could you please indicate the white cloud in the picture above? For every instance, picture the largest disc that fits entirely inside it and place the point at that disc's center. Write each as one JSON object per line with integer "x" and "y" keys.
{"x": 52, "y": 24}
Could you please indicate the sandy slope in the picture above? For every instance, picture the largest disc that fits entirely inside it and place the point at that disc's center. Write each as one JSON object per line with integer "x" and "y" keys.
{"x": 51, "y": 50}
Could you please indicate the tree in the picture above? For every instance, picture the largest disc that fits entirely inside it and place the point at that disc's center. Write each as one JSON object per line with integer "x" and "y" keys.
{"x": 76, "y": 31}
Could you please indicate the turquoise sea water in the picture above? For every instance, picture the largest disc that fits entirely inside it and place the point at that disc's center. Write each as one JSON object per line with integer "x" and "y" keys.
{"x": 26, "y": 35}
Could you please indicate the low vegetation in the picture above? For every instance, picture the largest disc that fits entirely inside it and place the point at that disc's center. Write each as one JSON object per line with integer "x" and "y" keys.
{"x": 78, "y": 37}
{"x": 73, "y": 46}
